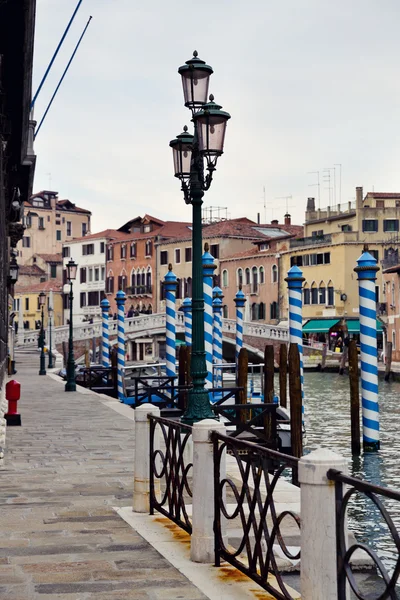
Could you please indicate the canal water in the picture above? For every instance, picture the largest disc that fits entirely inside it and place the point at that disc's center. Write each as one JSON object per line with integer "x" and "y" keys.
{"x": 327, "y": 406}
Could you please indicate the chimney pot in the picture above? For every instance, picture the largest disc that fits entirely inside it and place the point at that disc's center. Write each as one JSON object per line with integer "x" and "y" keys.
{"x": 359, "y": 197}
{"x": 258, "y": 218}
{"x": 288, "y": 219}
{"x": 274, "y": 222}
{"x": 310, "y": 204}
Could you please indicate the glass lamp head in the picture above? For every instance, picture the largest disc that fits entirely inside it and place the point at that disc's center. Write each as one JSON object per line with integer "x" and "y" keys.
{"x": 182, "y": 147}
{"x": 195, "y": 81}
{"x": 211, "y": 127}
{"x": 72, "y": 268}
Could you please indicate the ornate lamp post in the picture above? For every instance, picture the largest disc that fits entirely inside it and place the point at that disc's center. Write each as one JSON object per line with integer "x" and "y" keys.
{"x": 50, "y": 317}
{"x": 189, "y": 154}
{"x": 13, "y": 271}
{"x": 70, "y": 386}
{"x": 42, "y": 301}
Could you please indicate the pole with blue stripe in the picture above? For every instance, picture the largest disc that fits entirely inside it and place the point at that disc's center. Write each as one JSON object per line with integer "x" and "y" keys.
{"x": 217, "y": 335}
{"x": 208, "y": 271}
{"x": 105, "y": 344}
{"x": 295, "y": 288}
{"x": 170, "y": 295}
{"x": 366, "y": 270}
{"x": 187, "y": 311}
{"x": 121, "y": 298}
{"x": 239, "y": 300}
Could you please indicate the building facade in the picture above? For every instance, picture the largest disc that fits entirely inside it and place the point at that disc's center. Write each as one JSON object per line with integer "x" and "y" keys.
{"x": 89, "y": 252}
{"x": 26, "y": 303}
{"x": 391, "y": 278}
{"x": 49, "y": 223}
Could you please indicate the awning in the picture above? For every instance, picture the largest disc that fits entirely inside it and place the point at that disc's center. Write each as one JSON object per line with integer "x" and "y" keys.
{"x": 319, "y": 325}
{"x": 354, "y": 326}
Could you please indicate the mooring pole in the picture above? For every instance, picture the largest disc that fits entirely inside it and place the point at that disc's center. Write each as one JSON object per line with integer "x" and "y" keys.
{"x": 295, "y": 394}
{"x": 354, "y": 398}
{"x": 283, "y": 375}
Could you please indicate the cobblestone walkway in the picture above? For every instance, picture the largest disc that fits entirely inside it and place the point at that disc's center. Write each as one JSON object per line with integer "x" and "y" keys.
{"x": 65, "y": 468}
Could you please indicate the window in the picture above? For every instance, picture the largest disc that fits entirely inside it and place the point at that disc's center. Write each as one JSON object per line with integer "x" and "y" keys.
{"x": 58, "y": 215}
{"x": 327, "y": 258}
{"x": 53, "y": 271}
{"x": 306, "y": 295}
{"x": 147, "y": 228}
{"x": 261, "y": 311}
{"x": 58, "y": 235}
{"x": 110, "y": 285}
{"x": 122, "y": 283}
{"x": 26, "y": 303}
{"x": 58, "y": 222}
{"x": 87, "y": 249}
{"x": 274, "y": 274}
{"x": 375, "y": 254}
{"x": 224, "y": 278}
{"x": 320, "y": 259}
{"x": 26, "y": 241}
{"x": 133, "y": 250}
{"x": 188, "y": 255}
{"x": 103, "y": 273}
{"x": 247, "y": 276}
{"x": 102, "y": 247}
{"x": 331, "y": 294}
{"x": 63, "y": 220}
{"x": 254, "y": 279}
{"x": 393, "y": 340}
{"x": 84, "y": 229}
{"x": 48, "y": 218}
{"x": 110, "y": 253}
{"x": 347, "y": 227}
{"x": 90, "y": 274}
{"x": 377, "y": 294}
{"x": 214, "y": 250}
{"x": 69, "y": 228}
{"x": 239, "y": 277}
{"x": 65, "y": 301}
{"x": 273, "y": 311}
{"x": 391, "y": 225}
{"x": 82, "y": 299}
{"x": 262, "y": 276}
{"x": 177, "y": 256}
{"x": 149, "y": 248}
{"x": 322, "y": 293}
{"x": 178, "y": 289}
{"x": 123, "y": 251}
{"x": 93, "y": 299}
{"x": 164, "y": 257}
{"x": 254, "y": 312}
{"x": 66, "y": 251}
{"x": 41, "y": 223}
{"x": 65, "y": 276}
{"x": 318, "y": 233}
{"x": 314, "y": 294}
{"x": 370, "y": 225}
{"x": 96, "y": 274}
{"x": 225, "y": 311}
{"x": 83, "y": 275}
{"x": 133, "y": 282}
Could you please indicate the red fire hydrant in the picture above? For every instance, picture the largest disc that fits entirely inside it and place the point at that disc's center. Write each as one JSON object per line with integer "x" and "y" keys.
{"x": 13, "y": 394}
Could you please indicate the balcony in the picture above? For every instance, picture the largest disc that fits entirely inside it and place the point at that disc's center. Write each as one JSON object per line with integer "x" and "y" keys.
{"x": 313, "y": 240}
{"x": 140, "y": 290}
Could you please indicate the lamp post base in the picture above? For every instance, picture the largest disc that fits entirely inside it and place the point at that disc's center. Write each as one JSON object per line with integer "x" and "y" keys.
{"x": 70, "y": 386}
{"x": 199, "y": 407}
{"x": 42, "y": 370}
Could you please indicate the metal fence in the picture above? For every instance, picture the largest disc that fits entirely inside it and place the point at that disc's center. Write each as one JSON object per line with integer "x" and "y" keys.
{"x": 249, "y": 502}
{"x": 377, "y": 495}
{"x": 170, "y": 470}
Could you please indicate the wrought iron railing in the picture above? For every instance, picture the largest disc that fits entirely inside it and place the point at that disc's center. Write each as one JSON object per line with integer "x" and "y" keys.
{"x": 254, "y": 512}
{"x": 170, "y": 470}
{"x": 377, "y": 495}
{"x": 311, "y": 241}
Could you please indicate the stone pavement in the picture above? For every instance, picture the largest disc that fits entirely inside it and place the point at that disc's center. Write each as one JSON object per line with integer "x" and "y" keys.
{"x": 65, "y": 468}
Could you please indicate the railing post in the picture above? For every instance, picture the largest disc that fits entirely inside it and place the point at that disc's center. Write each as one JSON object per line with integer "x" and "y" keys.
{"x": 202, "y": 538}
{"x": 318, "y": 524}
{"x": 141, "y": 482}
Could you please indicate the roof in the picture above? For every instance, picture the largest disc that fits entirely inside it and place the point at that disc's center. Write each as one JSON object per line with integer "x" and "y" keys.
{"x": 382, "y": 195}
{"x": 54, "y": 258}
{"x": 170, "y": 229}
{"x": 31, "y": 270}
{"x": 54, "y": 285}
{"x": 109, "y": 234}
{"x": 395, "y": 269}
{"x": 61, "y": 205}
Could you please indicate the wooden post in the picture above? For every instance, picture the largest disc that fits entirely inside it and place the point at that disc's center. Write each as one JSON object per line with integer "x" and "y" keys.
{"x": 242, "y": 371}
{"x": 283, "y": 375}
{"x": 94, "y": 357}
{"x": 354, "y": 398}
{"x": 113, "y": 363}
{"x": 343, "y": 360}
{"x": 87, "y": 354}
{"x": 324, "y": 353}
{"x": 183, "y": 375}
{"x": 268, "y": 372}
{"x": 295, "y": 401}
{"x": 389, "y": 348}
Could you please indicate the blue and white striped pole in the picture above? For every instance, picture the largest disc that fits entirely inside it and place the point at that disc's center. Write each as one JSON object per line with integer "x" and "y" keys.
{"x": 295, "y": 287}
{"x": 105, "y": 344}
{"x": 120, "y": 298}
{"x": 217, "y": 335}
{"x": 187, "y": 311}
{"x": 208, "y": 271}
{"x": 239, "y": 300}
{"x": 170, "y": 295}
{"x": 366, "y": 270}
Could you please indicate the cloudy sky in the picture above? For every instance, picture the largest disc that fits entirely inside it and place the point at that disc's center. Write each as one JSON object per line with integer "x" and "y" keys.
{"x": 309, "y": 83}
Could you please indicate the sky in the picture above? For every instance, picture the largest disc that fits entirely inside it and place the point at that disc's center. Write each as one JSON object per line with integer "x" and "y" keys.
{"x": 309, "y": 84}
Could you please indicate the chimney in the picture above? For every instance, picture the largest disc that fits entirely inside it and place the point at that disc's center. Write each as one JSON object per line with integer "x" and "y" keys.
{"x": 288, "y": 219}
{"x": 359, "y": 197}
{"x": 310, "y": 205}
{"x": 274, "y": 222}
{"x": 258, "y": 218}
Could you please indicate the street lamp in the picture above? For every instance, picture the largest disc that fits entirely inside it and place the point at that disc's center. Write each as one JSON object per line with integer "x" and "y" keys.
{"x": 70, "y": 386}
{"x": 50, "y": 316}
{"x": 13, "y": 271}
{"x": 42, "y": 301}
{"x": 189, "y": 154}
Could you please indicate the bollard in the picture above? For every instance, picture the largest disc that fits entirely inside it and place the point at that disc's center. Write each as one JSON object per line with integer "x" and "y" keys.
{"x": 202, "y": 538}
{"x": 120, "y": 298}
{"x": 295, "y": 282}
{"x": 208, "y": 270}
{"x": 187, "y": 311}
{"x": 13, "y": 394}
{"x": 318, "y": 524}
{"x": 239, "y": 300}
{"x": 105, "y": 344}
{"x": 141, "y": 482}
{"x": 170, "y": 317}
{"x": 217, "y": 335}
